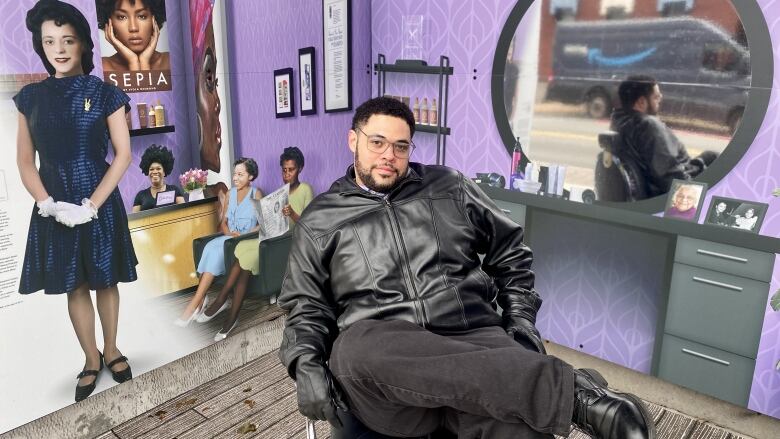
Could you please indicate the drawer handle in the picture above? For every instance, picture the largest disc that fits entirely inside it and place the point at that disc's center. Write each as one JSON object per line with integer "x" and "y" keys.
{"x": 506, "y": 211}
{"x": 706, "y": 357}
{"x": 721, "y": 255}
{"x": 717, "y": 284}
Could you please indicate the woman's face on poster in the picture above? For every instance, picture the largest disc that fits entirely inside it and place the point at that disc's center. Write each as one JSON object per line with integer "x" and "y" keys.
{"x": 133, "y": 24}
{"x": 749, "y": 213}
{"x": 209, "y": 106}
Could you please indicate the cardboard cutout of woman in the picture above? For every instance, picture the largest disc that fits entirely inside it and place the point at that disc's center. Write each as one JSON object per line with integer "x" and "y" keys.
{"x": 78, "y": 238}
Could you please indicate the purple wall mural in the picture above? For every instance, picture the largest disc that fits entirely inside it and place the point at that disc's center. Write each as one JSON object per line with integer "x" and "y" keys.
{"x": 468, "y": 32}
{"x": 19, "y": 58}
{"x": 257, "y": 133}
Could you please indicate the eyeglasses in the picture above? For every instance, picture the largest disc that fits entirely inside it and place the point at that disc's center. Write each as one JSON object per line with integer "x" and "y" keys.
{"x": 378, "y": 145}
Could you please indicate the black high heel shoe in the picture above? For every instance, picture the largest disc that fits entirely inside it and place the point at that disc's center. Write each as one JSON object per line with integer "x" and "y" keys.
{"x": 124, "y": 374}
{"x": 82, "y": 392}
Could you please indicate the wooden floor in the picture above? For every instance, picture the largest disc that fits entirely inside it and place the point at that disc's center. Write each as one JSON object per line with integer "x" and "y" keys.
{"x": 258, "y": 401}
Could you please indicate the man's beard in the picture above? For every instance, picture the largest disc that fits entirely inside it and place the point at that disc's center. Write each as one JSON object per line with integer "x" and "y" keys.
{"x": 368, "y": 179}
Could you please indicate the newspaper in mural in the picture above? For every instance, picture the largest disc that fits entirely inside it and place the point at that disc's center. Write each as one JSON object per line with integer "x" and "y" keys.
{"x": 269, "y": 213}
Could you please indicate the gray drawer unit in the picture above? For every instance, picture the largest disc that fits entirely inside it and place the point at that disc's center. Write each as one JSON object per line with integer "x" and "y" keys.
{"x": 707, "y": 370}
{"x": 725, "y": 258}
{"x": 514, "y": 211}
{"x": 717, "y": 309}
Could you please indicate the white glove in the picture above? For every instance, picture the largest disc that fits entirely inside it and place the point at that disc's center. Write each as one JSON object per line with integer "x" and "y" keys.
{"x": 47, "y": 207}
{"x": 72, "y": 215}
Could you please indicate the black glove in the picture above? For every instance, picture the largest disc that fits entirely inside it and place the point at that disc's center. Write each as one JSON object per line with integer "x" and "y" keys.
{"x": 318, "y": 393}
{"x": 524, "y": 332}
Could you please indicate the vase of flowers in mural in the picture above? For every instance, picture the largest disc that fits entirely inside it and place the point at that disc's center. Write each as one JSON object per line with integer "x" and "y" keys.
{"x": 193, "y": 182}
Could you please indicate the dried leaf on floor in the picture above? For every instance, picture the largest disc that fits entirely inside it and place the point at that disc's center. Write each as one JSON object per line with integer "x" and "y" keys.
{"x": 247, "y": 428}
{"x": 251, "y": 403}
{"x": 248, "y": 389}
{"x": 186, "y": 402}
{"x": 160, "y": 414}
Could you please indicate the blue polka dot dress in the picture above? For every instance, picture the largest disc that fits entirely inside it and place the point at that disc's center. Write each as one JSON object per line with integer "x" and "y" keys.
{"x": 67, "y": 119}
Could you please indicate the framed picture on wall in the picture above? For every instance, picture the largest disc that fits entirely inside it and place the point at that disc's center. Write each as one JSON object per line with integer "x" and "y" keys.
{"x": 307, "y": 82}
{"x": 685, "y": 200}
{"x": 283, "y": 92}
{"x": 736, "y": 214}
{"x": 337, "y": 54}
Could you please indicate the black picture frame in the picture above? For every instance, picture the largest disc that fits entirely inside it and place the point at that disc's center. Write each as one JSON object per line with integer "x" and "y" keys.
{"x": 671, "y": 211}
{"x": 337, "y": 46}
{"x": 307, "y": 81}
{"x": 734, "y": 209}
{"x": 284, "y": 88}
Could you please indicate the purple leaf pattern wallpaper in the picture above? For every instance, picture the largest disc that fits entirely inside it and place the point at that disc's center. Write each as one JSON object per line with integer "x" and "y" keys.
{"x": 322, "y": 137}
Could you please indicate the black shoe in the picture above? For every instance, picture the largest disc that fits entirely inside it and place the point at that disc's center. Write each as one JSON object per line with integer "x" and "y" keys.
{"x": 82, "y": 392}
{"x": 603, "y": 413}
{"x": 124, "y": 374}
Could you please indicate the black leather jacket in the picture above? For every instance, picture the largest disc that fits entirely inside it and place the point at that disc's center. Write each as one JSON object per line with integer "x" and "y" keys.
{"x": 412, "y": 255}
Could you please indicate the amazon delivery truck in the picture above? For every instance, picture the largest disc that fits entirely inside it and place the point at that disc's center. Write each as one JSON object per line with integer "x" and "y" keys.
{"x": 703, "y": 72}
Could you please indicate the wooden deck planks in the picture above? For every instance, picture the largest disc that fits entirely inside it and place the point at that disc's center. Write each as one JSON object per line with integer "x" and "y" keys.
{"x": 164, "y": 412}
{"x": 261, "y": 395}
{"x": 175, "y": 427}
{"x": 241, "y": 412}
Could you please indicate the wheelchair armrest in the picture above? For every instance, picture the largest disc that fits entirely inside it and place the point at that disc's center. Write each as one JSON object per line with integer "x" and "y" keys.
{"x": 198, "y": 244}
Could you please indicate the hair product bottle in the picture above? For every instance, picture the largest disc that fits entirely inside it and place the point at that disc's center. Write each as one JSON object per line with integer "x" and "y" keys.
{"x": 416, "y": 110}
{"x": 433, "y": 114}
{"x": 143, "y": 117}
{"x": 159, "y": 114}
{"x": 152, "y": 118}
{"x": 424, "y": 112}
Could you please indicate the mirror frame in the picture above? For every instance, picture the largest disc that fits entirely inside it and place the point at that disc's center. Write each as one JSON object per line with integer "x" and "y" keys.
{"x": 762, "y": 72}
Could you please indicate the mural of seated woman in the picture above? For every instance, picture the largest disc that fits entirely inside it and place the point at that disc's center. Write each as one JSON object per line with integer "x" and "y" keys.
{"x": 239, "y": 218}
{"x": 157, "y": 163}
{"x": 247, "y": 254}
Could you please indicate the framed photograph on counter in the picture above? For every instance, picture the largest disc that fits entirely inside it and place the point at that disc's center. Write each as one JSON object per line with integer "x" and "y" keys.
{"x": 685, "y": 200}
{"x": 283, "y": 92}
{"x": 736, "y": 214}
{"x": 307, "y": 83}
{"x": 337, "y": 54}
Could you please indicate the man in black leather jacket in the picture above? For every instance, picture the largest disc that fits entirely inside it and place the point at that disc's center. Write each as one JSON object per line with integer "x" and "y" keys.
{"x": 648, "y": 142}
{"x": 393, "y": 316}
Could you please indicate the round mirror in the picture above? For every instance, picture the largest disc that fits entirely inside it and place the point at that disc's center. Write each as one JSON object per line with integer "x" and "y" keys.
{"x": 622, "y": 96}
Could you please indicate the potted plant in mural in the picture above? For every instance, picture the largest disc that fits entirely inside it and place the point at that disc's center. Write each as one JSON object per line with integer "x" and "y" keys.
{"x": 193, "y": 182}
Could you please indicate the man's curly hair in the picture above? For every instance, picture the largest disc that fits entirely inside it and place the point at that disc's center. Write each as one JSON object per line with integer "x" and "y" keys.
{"x": 106, "y": 8}
{"x": 157, "y": 154}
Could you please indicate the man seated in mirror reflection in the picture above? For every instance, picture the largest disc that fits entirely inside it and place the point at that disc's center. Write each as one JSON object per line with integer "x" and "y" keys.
{"x": 646, "y": 140}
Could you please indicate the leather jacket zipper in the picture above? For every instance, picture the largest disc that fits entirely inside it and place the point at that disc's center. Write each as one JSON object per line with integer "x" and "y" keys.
{"x": 419, "y": 311}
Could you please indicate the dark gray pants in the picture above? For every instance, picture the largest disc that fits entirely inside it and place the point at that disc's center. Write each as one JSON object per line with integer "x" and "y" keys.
{"x": 402, "y": 380}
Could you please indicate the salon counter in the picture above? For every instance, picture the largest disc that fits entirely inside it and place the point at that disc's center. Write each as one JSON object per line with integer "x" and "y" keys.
{"x": 682, "y": 301}
{"x": 162, "y": 239}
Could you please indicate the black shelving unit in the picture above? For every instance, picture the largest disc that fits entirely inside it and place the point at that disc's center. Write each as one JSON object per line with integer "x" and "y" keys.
{"x": 156, "y": 130}
{"x": 443, "y": 71}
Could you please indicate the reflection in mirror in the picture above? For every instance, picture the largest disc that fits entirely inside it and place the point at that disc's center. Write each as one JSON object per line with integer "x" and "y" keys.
{"x": 689, "y": 66}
